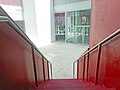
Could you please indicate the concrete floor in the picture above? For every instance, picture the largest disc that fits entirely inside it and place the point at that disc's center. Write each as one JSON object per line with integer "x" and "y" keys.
{"x": 62, "y": 55}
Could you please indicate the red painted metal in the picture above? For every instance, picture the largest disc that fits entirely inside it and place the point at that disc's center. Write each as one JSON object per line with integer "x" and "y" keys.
{"x": 92, "y": 66}
{"x": 43, "y": 67}
{"x": 87, "y": 66}
{"x": 104, "y": 21}
{"x": 84, "y": 62}
{"x": 39, "y": 67}
{"x": 70, "y": 84}
{"x": 21, "y": 65}
{"x": 16, "y": 65}
{"x": 98, "y": 64}
{"x": 109, "y": 73}
{"x": 35, "y": 68}
{"x": 80, "y": 68}
{"x": 46, "y": 69}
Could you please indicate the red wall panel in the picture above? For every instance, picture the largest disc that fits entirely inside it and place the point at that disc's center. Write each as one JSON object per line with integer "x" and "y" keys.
{"x": 80, "y": 68}
{"x": 39, "y": 67}
{"x": 46, "y": 69}
{"x": 109, "y": 73}
{"x": 86, "y": 61}
{"x": 104, "y": 21}
{"x": 16, "y": 65}
{"x": 92, "y": 66}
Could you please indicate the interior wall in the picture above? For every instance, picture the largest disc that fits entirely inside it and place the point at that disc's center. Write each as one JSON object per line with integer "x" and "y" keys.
{"x": 30, "y": 20}
{"x": 85, "y": 5}
{"x": 59, "y": 2}
{"x": 73, "y": 1}
{"x": 42, "y": 10}
{"x": 62, "y": 2}
{"x": 104, "y": 21}
{"x": 52, "y": 19}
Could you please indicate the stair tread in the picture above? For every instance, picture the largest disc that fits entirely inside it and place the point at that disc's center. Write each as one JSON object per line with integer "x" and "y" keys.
{"x": 69, "y": 84}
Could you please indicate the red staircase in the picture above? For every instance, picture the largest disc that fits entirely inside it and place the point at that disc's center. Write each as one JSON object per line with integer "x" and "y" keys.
{"x": 23, "y": 67}
{"x": 69, "y": 84}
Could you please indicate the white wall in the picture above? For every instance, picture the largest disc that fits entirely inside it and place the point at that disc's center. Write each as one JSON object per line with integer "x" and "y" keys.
{"x": 63, "y": 2}
{"x": 73, "y": 1}
{"x": 30, "y": 20}
{"x": 15, "y": 12}
{"x": 42, "y": 9}
{"x": 52, "y": 19}
{"x": 83, "y": 5}
{"x": 58, "y": 2}
{"x": 37, "y": 21}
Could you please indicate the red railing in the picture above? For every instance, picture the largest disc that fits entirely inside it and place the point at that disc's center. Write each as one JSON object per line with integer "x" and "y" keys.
{"x": 92, "y": 67}
{"x": 22, "y": 66}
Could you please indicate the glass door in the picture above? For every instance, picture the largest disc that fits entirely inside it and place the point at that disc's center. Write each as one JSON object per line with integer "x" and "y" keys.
{"x": 70, "y": 34}
{"x": 82, "y": 27}
{"x": 60, "y": 26}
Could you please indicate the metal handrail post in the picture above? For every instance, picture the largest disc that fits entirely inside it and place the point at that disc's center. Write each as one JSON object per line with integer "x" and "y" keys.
{"x": 84, "y": 68}
{"x": 98, "y": 64}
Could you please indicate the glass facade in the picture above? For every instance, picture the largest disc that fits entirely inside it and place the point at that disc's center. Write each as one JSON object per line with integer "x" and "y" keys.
{"x": 78, "y": 27}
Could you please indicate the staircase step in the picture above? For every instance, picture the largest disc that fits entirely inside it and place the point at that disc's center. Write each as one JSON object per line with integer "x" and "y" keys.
{"x": 69, "y": 84}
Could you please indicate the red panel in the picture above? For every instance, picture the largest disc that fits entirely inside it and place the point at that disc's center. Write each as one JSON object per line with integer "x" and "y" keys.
{"x": 80, "y": 70}
{"x": 110, "y": 64}
{"x": 92, "y": 66}
{"x": 46, "y": 69}
{"x": 85, "y": 76}
{"x": 16, "y": 65}
{"x": 104, "y": 21}
{"x": 39, "y": 67}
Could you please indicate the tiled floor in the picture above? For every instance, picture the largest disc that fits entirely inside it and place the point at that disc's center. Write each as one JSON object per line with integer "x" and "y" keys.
{"x": 62, "y": 55}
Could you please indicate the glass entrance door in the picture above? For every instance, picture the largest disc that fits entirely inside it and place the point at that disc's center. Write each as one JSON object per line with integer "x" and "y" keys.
{"x": 70, "y": 36}
{"x": 82, "y": 27}
{"x": 82, "y": 34}
{"x": 78, "y": 27}
{"x": 60, "y": 26}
